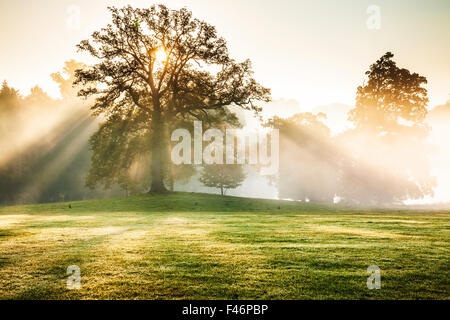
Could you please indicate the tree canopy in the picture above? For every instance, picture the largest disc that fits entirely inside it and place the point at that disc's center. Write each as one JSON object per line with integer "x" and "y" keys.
{"x": 391, "y": 94}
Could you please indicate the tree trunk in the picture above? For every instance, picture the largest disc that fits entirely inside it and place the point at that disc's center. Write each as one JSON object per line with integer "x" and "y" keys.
{"x": 221, "y": 190}
{"x": 159, "y": 150}
{"x": 170, "y": 178}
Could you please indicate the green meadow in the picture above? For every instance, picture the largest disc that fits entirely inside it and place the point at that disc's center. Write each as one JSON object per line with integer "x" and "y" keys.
{"x": 199, "y": 246}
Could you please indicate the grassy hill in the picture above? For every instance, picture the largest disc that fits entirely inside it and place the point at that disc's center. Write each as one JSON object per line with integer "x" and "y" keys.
{"x": 199, "y": 246}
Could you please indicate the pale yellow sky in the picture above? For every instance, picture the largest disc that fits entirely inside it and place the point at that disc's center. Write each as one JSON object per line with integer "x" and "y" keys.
{"x": 315, "y": 52}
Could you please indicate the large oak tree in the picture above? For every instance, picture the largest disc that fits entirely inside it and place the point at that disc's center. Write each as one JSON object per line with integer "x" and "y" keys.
{"x": 169, "y": 65}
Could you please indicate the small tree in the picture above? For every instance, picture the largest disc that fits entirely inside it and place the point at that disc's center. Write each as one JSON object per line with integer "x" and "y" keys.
{"x": 222, "y": 176}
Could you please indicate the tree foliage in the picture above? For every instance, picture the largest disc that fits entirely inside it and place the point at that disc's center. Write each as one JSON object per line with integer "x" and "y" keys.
{"x": 392, "y": 94}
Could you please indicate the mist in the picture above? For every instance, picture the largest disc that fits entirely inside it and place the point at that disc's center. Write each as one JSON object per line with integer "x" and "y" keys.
{"x": 46, "y": 155}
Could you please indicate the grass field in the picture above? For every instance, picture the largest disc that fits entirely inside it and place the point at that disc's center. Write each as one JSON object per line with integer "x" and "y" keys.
{"x": 198, "y": 246}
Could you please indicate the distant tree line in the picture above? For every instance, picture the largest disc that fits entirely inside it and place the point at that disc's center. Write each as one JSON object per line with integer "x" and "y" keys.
{"x": 44, "y": 141}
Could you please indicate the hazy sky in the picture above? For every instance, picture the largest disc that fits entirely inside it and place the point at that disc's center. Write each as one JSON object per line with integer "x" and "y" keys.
{"x": 315, "y": 52}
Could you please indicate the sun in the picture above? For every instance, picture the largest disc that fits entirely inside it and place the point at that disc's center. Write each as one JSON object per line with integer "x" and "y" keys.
{"x": 160, "y": 55}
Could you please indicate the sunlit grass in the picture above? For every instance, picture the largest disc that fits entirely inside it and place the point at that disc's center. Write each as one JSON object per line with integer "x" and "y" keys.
{"x": 193, "y": 246}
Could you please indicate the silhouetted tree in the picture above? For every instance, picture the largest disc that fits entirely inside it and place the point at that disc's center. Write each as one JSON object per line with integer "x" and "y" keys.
{"x": 388, "y": 156}
{"x": 390, "y": 95}
{"x": 161, "y": 61}
{"x": 10, "y": 99}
